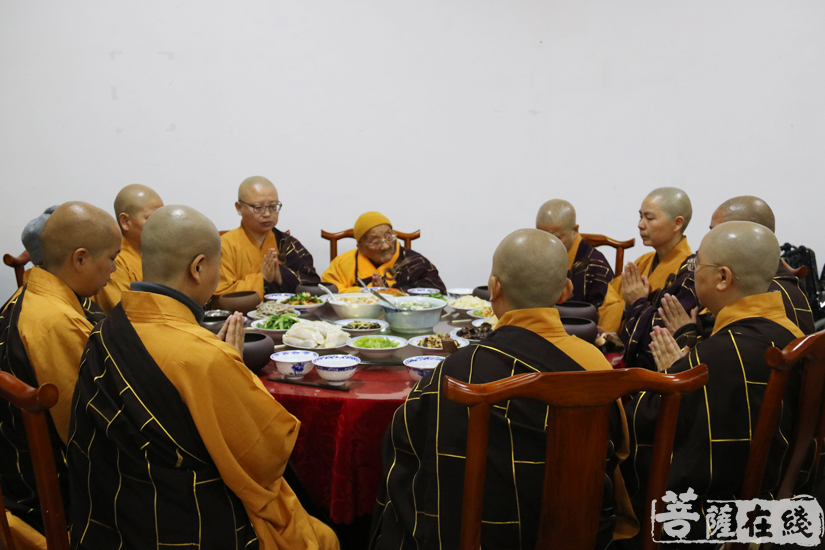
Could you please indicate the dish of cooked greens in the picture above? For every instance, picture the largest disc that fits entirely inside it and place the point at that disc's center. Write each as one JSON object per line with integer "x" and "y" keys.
{"x": 375, "y": 342}
{"x": 279, "y": 322}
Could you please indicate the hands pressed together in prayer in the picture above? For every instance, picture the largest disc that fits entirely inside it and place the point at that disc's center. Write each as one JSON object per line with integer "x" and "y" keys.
{"x": 664, "y": 348}
{"x": 269, "y": 268}
{"x": 232, "y": 332}
{"x": 634, "y": 284}
{"x": 674, "y": 315}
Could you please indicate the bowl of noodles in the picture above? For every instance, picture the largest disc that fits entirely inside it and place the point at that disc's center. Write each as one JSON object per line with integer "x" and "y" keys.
{"x": 356, "y": 306}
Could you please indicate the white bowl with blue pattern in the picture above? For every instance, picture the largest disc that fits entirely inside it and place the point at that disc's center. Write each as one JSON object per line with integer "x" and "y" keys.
{"x": 422, "y": 291}
{"x": 421, "y": 365}
{"x": 294, "y": 363}
{"x": 335, "y": 369}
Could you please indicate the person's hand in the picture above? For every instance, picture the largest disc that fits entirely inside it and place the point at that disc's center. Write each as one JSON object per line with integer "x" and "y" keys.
{"x": 269, "y": 267}
{"x": 634, "y": 284}
{"x": 232, "y": 332}
{"x": 664, "y": 348}
{"x": 377, "y": 280}
{"x": 674, "y": 315}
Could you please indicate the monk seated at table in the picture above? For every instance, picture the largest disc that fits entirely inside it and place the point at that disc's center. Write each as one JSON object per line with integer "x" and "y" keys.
{"x": 633, "y": 299}
{"x": 734, "y": 269}
{"x": 588, "y": 267}
{"x": 380, "y": 260}
{"x": 174, "y": 441}
{"x": 257, "y": 255}
{"x": 420, "y": 501}
{"x": 688, "y": 328}
{"x": 133, "y": 206}
{"x": 43, "y": 330}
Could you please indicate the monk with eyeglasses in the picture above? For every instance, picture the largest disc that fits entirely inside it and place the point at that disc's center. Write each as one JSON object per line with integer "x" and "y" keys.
{"x": 257, "y": 256}
{"x": 380, "y": 260}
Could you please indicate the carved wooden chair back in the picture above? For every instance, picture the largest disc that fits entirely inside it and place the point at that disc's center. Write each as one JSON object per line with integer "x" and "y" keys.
{"x": 33, "y": 404}
{"x": 333, "y": 238}
{"x": 600, "y": 240}
{"x": 577, "y": 433}
{"x": 18, "y": 263}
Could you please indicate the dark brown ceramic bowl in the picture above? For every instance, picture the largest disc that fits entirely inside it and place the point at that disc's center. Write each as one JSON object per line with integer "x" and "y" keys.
{"x": 257, "y": 348}
{"x": 583, "y": 328}
{"x": 244, "y": 301}
{"x": 314, "y": 290}
{"x": 482, "y": 292}
{"x": 578, "y": 309}
{"x": 214, "y": 319}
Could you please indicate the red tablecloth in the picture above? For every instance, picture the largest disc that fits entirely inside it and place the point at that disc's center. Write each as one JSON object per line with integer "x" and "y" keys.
{"x": 338, "y": 452}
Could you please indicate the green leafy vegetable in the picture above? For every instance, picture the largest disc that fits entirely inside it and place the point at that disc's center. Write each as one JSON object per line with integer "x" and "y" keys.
{"x": 375, "y": 342}
{"x": 280, "y": 322}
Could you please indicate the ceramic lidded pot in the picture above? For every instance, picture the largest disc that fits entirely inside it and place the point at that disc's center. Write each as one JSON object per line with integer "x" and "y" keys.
{"x": 257, "y": 348}
{"x": 583, "y": 328}
{"x": 214, "y": 319}
{"x": 314, "y": 290}
{"x": 482, "y": 292}
{"x": 583, "y": 310}
{"x": 244, "y": 301}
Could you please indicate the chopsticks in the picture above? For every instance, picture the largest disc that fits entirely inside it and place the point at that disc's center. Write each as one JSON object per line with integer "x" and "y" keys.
{"x": 310, "y": 384}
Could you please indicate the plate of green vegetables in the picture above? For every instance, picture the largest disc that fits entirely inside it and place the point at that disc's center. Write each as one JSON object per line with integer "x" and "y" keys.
{"x": 275, "y": 325}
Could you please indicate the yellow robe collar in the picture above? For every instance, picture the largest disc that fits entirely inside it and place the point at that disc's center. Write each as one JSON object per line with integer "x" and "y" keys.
{"x": 46, "y": 284}
{"x": 130, "y": 254}
{"x": 155, "y": 308}
{"x": 544, "y": 321}
{"x": 571, "y": 254}
{"x": 366, "y": 268}
{"x": 767, "y": 306}
{"x": 269, "y": 242}
{"x": 669, "y": 264}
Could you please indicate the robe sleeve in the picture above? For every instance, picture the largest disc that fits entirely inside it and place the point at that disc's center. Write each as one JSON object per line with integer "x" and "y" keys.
{"x": 418, "y": 272}
{"x": 612, "y": 309}
{"x": 337, "y": 275}
{"x": 644, "y": 315}
{"x": 296, "y": 266}
{"x": 232, "y": 280}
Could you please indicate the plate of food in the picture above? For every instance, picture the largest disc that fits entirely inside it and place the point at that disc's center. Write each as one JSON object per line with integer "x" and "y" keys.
{"x": 385, "y": 290}
{"x": 475, "y": 332}
{"x": 266, "y": 309}
{"x": 317, "y": 336}
{"x": 362, "y": 327}
{"x": 465, "y": 304}
{"x": 304, "y": 301}
{"x": 376, "y": 346}
{"x": 485, "y": 312}
{"x": 431, "y": 344}
{"x": 422, "y": 291}
{"x": 275, "y": 326}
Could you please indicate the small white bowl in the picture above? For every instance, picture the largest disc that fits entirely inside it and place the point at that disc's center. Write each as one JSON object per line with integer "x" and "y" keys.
{"x": 377, "y": 353}
{"x": 459, "y": 292}
{"x": 306, "y": 308}
{"x": 362, "y": 332}
{"x": 294, "y": 363}
{"x": 416, "y": 343}
{"x": 424, "y": 291}
{"x": 277, "y": 297}
{"x": 421, "y": 365}
{"x": 336, "y": 368}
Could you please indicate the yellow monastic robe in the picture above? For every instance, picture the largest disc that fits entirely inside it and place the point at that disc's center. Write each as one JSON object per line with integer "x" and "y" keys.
{"x": 242, "y": 260}
{"x": 571, "y": 254}
{"x": 610, "y": 314}
{"x": 546, "y": 323}
{"x": 129, "y": 270}
{"x": 341, "y": 271}
{"x": 54, "y": 330}
{"x": 248, "y": 434}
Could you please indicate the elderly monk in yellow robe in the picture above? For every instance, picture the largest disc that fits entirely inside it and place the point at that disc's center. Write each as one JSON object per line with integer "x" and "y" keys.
{"x": 174, "y": 442}
{"x": 419, "y": 504}
{"x": 380, "y": 260}
{"x": 258, "y": 256}
{"x": 43, "y": 330}
{"x": 133, "y": 206}
{"x": 634, "y": 298}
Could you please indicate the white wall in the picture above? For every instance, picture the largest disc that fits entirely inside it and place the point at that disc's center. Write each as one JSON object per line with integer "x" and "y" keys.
{"x": 458, "y": 118}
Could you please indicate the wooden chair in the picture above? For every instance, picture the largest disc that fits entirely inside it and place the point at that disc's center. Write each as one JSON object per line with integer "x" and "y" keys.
{"x": 333, "y": 238}
{"x": 18, "y": 263}
{"x": 600, "y": 240}
{"x": 33, "y": 403}
{"x": 576, "y": 445}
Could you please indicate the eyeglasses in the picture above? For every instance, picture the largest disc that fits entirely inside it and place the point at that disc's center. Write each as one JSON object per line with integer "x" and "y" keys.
{"x": 693, "y": 265}
{"x": 261, "y": 208}
{"x": 389, "y": 238}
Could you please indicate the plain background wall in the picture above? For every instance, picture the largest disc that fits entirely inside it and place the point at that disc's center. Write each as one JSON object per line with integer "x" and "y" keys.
{"x": 457, "y": 118}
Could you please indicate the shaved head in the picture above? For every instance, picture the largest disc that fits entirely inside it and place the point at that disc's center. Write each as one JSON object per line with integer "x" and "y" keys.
{"x": 746, "y": 208}
{"x": 556, "y": 212}
{"x": 172, "y": 238}
{"x": 257, "y": 182}
{"x": 132, "y": 199}
{"x": 531, "y": 266}
{"x": 674, "y": 203}
{"x": 76, "y": 225}
{"x": 750, "y": 250}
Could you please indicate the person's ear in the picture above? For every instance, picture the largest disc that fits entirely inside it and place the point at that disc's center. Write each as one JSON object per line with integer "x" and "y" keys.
{"x": 567, "y": 292}
{"x": 124, "y": 220}
{"x": 494, "y": 286}
{"x": 80, "y": 258}
{"x": 678, "y": 224}
{"x": 238, "y": 208}
{"x": 196, "y": 268}
{"x": 725, "y": 279}
{"x": 576, "y": 228}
